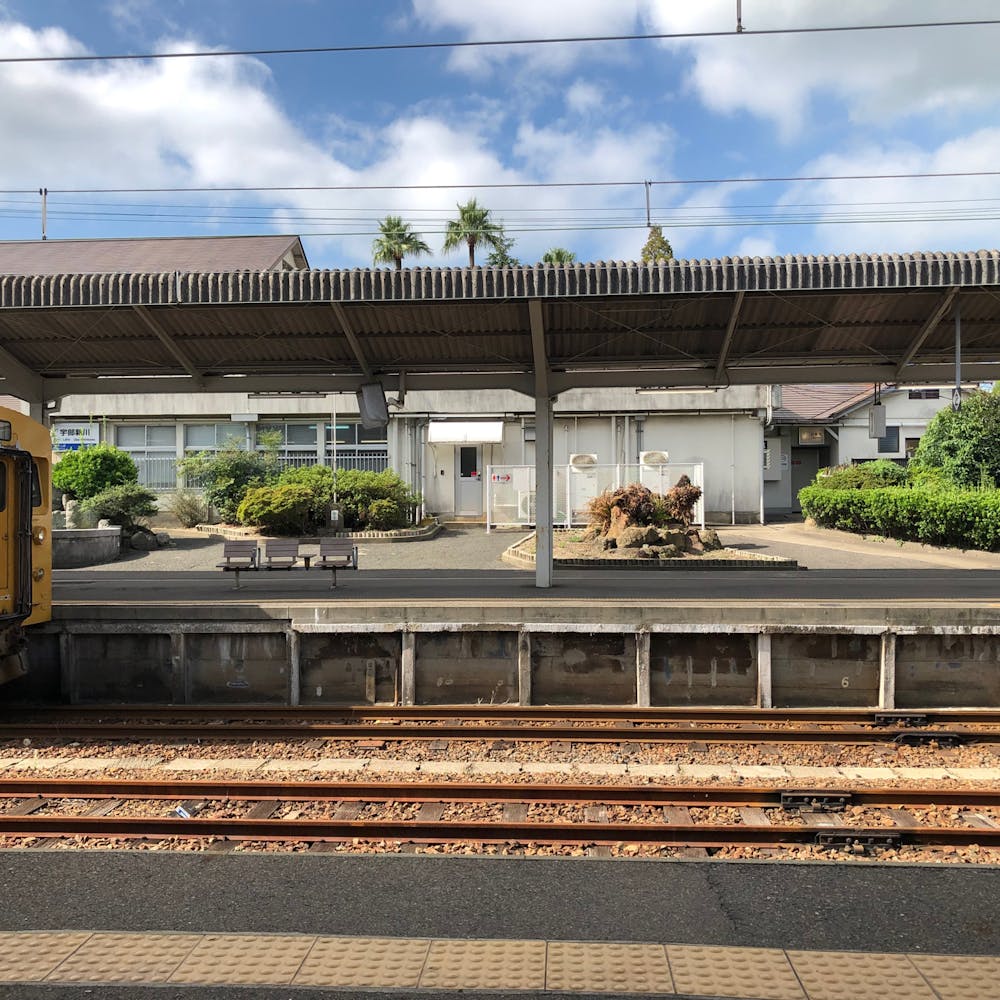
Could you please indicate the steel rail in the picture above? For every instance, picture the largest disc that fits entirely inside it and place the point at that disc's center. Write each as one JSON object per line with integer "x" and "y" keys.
{"x": 339, "y": 791}
{"x": 240, "y": 731}
{"x": 519, "y": 713}
{"x": 703, "y": 835}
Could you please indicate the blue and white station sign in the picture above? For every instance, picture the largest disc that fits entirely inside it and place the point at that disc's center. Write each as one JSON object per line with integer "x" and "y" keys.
{"x": 72, "y": 436}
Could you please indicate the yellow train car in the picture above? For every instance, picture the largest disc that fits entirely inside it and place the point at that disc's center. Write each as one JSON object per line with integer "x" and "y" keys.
{"x": 25, "y": 535}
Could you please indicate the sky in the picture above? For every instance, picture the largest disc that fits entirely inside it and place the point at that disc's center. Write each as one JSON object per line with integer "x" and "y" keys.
{"x": 434, "y": 127}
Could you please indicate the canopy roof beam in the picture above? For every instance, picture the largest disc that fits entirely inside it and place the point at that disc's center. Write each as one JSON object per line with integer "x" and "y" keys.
{"x": 169, "y": 343}
{"x": 926, "y": 330}
{"x": 727, "y": 341}
{"x": 352, "y": 339}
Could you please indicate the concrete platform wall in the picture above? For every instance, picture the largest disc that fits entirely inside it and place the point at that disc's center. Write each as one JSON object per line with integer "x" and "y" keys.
{"x": 284, "y": 662}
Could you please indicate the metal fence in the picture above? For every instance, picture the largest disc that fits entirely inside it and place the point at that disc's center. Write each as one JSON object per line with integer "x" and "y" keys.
{"x": 160, "y": 472}
{"x": 510, "y": 490}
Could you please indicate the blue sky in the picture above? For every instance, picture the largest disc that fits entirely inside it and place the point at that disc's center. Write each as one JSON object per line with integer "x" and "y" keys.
{"x": 912, "y": 101}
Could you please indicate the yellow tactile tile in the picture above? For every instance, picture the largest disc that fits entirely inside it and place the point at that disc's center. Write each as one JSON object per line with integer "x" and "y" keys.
{"x": 352, "y": 961}
{"x": 125, "y": 958}
{"x": 600, "y": 967}
{"x": 243, "y": 959}
{"x": 961, "y": 977}
{"x": 762, "y": 973}
{"x": 848, "y": 975}
{"x": 29, "y": 956}
{"x": 483, "y": 965}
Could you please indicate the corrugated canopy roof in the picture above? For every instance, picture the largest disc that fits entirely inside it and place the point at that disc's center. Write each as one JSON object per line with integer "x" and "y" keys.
{"x": 737, "y": 320}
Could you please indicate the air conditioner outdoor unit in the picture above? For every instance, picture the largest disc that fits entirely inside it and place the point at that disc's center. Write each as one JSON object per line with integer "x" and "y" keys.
{"x": 526, "y": 506}
{"x": 654, "y": 458}
{"x": 581, "y": 459}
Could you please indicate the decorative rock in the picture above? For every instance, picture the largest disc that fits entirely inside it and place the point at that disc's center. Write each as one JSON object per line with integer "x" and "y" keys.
{"x": 610, "y": 543}
{"x": 693, "y": 542}
{"x": 669, "y": 551}
{"x": 673, "y": 537}
{"x": 593, "y": 531}
{"x": 162, "y": 539}
{"x": 648, "y": 552}
{"x": 104, "y": 523}
{"x": 143, "y": 540}
{"x": 619, "y": 522}
{"x": 633, "y": 538}
{"x": 710, "y": 539}
{"x": 72, "y": 508}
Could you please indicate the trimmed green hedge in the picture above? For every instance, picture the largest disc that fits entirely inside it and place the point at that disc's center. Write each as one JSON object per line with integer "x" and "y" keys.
{"x": 959, "y": 518}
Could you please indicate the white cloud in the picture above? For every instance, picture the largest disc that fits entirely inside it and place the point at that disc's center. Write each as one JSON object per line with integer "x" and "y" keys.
{"x": 517, "y": 19}
{"x": 756, "y": 246}
{"x": 908, "y": 213}
{"x": 879, "y": 75}
{"x": 582, "y": 97}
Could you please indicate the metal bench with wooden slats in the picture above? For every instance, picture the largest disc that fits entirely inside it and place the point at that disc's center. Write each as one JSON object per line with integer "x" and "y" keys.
{"x": 334, "y": 554}
{"x": 281, "y": 553}
{"x": 238, "y": 555}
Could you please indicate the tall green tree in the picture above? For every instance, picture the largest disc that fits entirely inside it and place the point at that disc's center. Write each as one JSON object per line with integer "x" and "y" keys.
{"x": 473, "y": 228}
{"x": 395, "y": 241}
{"x": 657, "y": 247}
{"x": 501, "y": 255}
{"x": 558, "y": 255}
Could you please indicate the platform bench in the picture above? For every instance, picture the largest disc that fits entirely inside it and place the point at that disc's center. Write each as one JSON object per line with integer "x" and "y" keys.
{"x": 334, "y": 554}
{"x": 239, "y": 554}
{"x": 281, "y": 553}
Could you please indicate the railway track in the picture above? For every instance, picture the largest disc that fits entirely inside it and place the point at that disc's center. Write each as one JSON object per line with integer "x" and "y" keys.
{"x": 30, "y": 815}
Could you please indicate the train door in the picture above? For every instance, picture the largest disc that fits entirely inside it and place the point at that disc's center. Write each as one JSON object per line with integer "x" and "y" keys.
{"x": 6, "y": 541}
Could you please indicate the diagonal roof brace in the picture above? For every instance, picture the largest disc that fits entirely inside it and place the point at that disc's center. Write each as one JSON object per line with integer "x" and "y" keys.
{"x": 727, "y": 342}
{"x": 352, "y": 339}
{"x": 169, "y": 343}
{"x": 927, "y": 329}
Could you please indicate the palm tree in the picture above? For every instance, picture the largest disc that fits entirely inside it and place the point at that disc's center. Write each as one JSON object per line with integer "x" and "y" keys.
{"x": 474, "y": 228}
{"x": 559, "y": 255}
{"x": 396, "y": 241}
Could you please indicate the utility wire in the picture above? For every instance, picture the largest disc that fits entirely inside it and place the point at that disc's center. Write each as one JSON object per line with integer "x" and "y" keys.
{"x": 494, "y": 43}
{"x": 511, "y": 185}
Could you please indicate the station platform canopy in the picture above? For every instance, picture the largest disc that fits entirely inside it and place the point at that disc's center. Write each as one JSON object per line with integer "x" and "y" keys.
{"x": 546, "y": 328}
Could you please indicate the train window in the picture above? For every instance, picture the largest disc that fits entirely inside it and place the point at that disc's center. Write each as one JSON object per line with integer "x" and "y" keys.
{"x": 3, "y": 486}
{"x": 36, "y": 486}
{"x": 6, "y": 432}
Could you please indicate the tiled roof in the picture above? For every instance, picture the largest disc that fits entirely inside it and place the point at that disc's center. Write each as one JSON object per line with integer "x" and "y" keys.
{"x": 146, "y": 255}
{"x": 817, "y": 403}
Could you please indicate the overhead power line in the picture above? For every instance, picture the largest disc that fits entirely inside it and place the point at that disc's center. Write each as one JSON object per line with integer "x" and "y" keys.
{"x": 495, "y": 43}
{"x": 511, "y": 185}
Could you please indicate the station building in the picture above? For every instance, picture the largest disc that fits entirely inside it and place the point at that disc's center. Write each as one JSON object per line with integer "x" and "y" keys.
{"x": 753, "y": 446}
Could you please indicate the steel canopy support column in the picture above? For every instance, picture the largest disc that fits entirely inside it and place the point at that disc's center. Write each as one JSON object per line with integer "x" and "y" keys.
{"x": 543, "y": 491}
{"x": 543, "y": 449}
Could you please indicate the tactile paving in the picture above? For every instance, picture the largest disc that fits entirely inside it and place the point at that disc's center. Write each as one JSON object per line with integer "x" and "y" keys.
{"x": 600, "y": 967}
{"x": 961, "y": 977}
{"x": 762, "y": 973}
{"x": 384, "y": 962}
{"x": 482, "y": 965}
{"x": 125, "y": 958}
{"x": 244, "y": 959}
{"x": 847, "y": 975}
{"x": 30, "y": 956}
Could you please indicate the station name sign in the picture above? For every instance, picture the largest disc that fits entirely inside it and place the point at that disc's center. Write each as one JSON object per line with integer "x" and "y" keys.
{"x": 72, "y": 436}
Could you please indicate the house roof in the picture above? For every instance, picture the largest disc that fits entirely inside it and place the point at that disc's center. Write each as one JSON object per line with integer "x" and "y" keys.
{"x": 539, "y": 329}
{"x": 804, "y": 404}
{"x": 151, "y": 254}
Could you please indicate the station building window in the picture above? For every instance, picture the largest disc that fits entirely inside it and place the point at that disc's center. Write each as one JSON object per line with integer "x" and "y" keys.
{"x": 889, "y": 444}
{"x": 357, "y": 447}
{"x": 153, "y": 448}
{"x": 298, "y": 443}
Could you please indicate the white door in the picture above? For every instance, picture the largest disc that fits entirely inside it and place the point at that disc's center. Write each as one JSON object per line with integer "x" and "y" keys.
{"x": 469, "y": 488}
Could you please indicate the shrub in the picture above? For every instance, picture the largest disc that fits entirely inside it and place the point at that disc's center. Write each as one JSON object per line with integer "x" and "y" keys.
{"x": 320, "y": 479}
{"x": 359, "y": 494}
{"x": 226, "y": 475}
{"x": 864, "y": 476}
{"x": 964, "y": 518}
{"x": 680, "y": 500}
{"x": 965, "y": 444}
{"x": 85, "y": 473}
{"x": 188, "y": 507}
{"x": 128, "y": 505}
{"x": 280, "y": 510}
